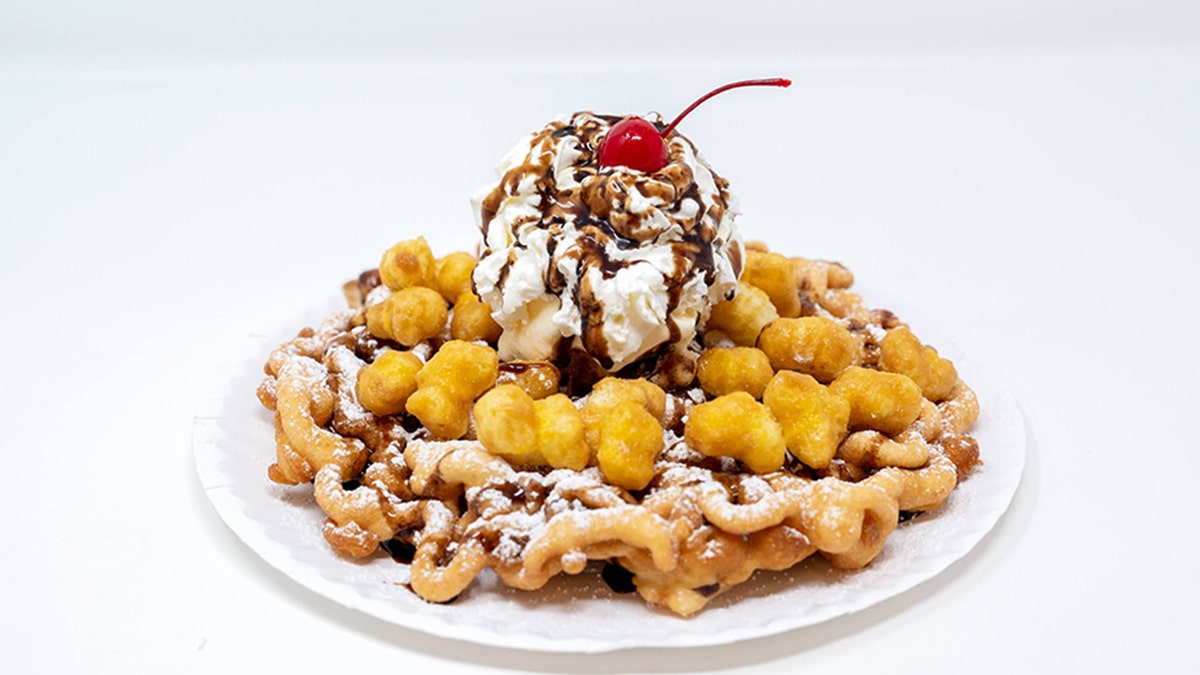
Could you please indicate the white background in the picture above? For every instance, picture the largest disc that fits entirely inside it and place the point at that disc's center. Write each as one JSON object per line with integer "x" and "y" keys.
{"x": 1018, "y": 180}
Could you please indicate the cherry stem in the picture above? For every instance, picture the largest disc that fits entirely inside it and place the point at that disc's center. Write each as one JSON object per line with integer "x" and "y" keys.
{"x": 773, "y": 82}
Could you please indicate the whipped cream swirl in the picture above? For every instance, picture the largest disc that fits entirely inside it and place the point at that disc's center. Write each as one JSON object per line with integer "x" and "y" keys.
{"x": 613, "y": 260}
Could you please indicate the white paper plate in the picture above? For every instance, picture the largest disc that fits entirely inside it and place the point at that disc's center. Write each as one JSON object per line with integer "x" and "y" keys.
{"x": 233, "y": 445}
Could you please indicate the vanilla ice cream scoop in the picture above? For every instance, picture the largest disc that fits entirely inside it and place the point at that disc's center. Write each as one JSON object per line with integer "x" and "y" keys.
{"x": 622, "y": 263}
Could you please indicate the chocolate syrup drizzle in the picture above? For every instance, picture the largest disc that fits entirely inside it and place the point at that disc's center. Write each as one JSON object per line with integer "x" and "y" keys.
{"x": 598, "y": 209}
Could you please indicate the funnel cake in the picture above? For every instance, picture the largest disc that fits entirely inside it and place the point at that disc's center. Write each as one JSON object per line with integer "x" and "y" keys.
{"x": 615, "y": 385}
{"x": 845, "y": 461}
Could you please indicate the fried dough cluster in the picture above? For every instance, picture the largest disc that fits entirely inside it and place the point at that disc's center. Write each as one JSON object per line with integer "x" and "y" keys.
{"x": 810, "y": 425}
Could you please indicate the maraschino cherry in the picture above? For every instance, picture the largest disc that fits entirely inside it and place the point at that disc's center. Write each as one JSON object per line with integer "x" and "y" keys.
{"x": 638, "y": 144}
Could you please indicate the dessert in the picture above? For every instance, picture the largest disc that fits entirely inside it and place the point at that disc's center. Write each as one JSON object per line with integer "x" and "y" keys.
{"x": 615, "y": 384}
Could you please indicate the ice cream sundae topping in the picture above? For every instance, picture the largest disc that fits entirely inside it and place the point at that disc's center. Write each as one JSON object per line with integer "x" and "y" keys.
{"x": 617, "y": 261}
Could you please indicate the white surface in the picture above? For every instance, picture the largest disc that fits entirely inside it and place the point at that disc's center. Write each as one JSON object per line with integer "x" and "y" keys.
{"x": 547, "y": 33}
{"x": 233, "y": 443}
{"x": 1034, "y": 200}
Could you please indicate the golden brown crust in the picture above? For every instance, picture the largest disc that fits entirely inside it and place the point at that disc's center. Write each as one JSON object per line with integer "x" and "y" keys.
{"x": 485, "y": 465}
